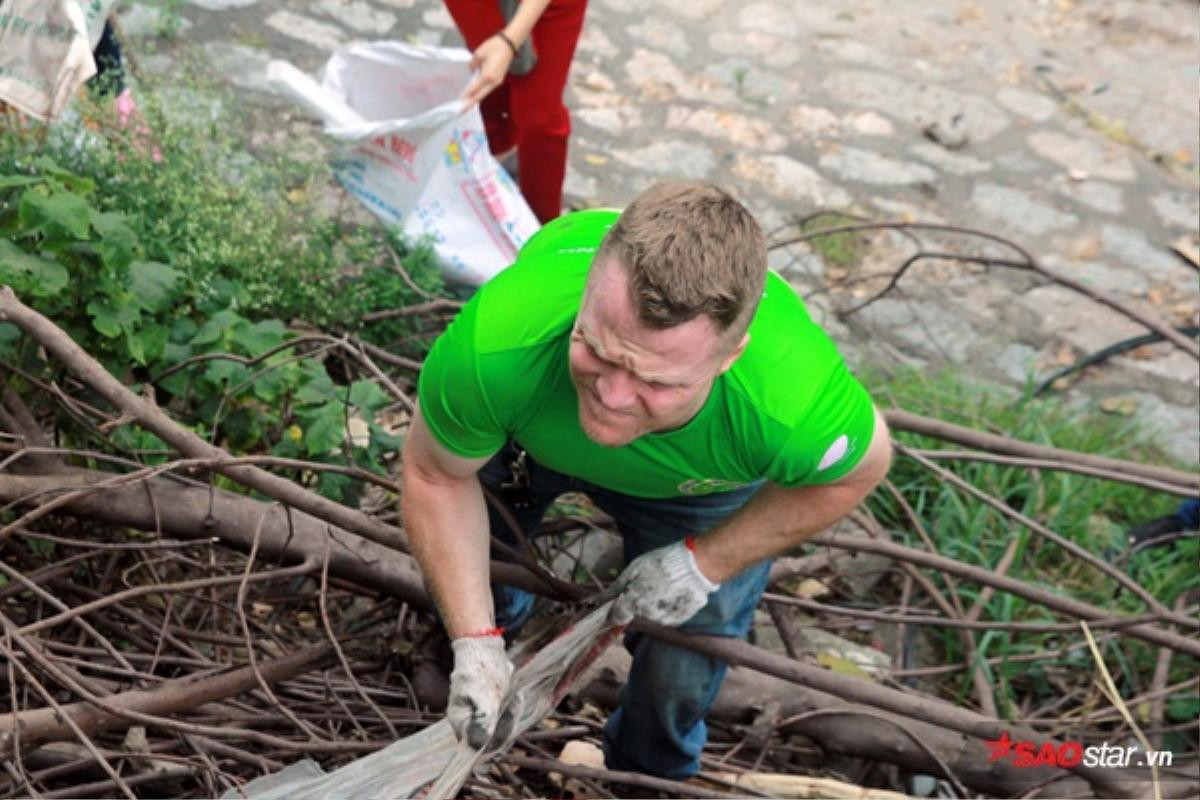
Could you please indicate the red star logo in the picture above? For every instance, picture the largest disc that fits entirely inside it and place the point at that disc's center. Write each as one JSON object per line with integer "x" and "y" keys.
{"x": 1000, "y": 748}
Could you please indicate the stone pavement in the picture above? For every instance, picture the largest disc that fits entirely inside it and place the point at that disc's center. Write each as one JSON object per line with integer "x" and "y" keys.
{"x": 1070, "y": 128}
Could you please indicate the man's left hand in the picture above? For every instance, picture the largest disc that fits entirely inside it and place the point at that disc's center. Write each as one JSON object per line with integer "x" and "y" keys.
{"x": 664, "y": 586}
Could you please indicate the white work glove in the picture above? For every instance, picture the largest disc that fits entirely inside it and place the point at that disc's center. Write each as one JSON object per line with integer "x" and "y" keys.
{"x": 663, "y": 586}
{"x": 477, "y": 687}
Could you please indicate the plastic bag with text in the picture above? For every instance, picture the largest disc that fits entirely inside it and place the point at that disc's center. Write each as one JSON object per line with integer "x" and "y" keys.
{"x": 412, "y": 156}
{"x": 46, "y": 51}
{"x": 432, "y": 763}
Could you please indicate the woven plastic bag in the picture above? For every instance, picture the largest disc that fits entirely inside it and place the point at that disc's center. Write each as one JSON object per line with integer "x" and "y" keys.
{"x": 412, "y": 155}
{"x": 46, "y": 51}
{"x": 433, "y": 763}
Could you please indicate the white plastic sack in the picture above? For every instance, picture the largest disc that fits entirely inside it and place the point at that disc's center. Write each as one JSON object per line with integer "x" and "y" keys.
{"x": 46, "y": 51}
{"x": 433, "y": 758}
{"x": 412, "y": 156}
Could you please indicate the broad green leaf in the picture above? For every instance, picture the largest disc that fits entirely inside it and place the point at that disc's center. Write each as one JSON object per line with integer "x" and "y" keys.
{"x": 325, "y": 429}
{"x": 136, "y": 350}
{"x": 319, "y": 389}
{"x": 9, "y": 333}
{"x": 182, "y": 331}
{"x": 118, "y": 243}
{"x": 9, "y": 181}
{"x": 133, "y": 438}
{"x": 1184, "y": 708}
{"x": 111, "y": 318}
{"x": 223, "y": 372}
{"x": 260, "y": 337}
{"x": 10, "y": 337}
{"x": 76, "y": 183}
{"x": 106, "y": 222}
{"x": 38, "y": 276}
{"x": 147, "y": 343}
{"x": 366, "y": 394}
{"x": 270, "y": 385}
{"x": 287, "y": 447}
{"x": 153, "y": 284}
{"x": 60, "y": 215}
{"x": 384, "y": 440}
{"x": 334, "y": 485}
{"x": 218, "y": 326}
{"x": 244, "y": 428}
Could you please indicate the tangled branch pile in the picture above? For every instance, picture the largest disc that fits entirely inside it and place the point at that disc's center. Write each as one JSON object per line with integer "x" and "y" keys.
{"x": 203, "y": 578}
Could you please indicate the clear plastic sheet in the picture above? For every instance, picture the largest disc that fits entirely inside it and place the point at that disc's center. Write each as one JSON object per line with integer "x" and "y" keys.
{"x": 433, "y": 763}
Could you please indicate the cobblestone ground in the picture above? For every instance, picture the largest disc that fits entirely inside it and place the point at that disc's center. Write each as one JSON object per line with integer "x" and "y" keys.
{"x": 1069, "y": 128}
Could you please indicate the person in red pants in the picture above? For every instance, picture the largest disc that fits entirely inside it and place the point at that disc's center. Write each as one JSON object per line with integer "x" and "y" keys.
{"x": 525, "y": 112}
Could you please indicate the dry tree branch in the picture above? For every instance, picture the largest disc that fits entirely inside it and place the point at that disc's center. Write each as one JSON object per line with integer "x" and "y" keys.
{"x": 1066, "y": 544}
{"x": 898, "y": 419}
{"x": 324, "y": 607}
{"x": 1113, "y": 623}
{"x": 1059, "y": 466}
{"x": 1114, "y": 697}
{"x": 637, "y": 779}
{"x": 243, "y": 584}
{"x": 59, "y": 712}
{"x": 14, "y": 575}
{"x": 147, "y": 707}
{"x": 439, "y": 304}
{"x": 1027, "y": 262}
{"x": 1065, "y": 605}
{"x": 60, "y": 345}
{"x": 984, "y": 691}
{"x": 161, "y": 588}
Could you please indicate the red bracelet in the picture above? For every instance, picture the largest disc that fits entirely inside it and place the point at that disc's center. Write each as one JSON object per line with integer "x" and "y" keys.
{"x": 690, "y": 543}
{"x": 483, "y": 633}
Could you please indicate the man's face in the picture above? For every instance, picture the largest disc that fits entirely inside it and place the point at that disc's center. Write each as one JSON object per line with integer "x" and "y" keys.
{"x": 632, "y": 380}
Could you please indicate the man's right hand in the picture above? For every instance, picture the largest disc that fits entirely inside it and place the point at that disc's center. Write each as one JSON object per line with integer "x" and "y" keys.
{"x": 491, "y": 59}
{"x": 478, "y": 685}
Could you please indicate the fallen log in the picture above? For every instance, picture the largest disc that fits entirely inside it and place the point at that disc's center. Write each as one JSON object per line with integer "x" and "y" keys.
{"x": 189, "y": 511}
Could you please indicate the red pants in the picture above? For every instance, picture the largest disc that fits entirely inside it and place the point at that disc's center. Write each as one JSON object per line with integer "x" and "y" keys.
{"x": 527, "y": 111}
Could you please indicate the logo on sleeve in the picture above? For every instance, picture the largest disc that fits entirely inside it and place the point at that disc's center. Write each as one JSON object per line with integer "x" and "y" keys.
{"x": 836, "y": 452}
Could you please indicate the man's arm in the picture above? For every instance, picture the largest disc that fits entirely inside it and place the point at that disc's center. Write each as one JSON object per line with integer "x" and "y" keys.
{"x": 779, "y": 518}
{"x": 446, "y": 520}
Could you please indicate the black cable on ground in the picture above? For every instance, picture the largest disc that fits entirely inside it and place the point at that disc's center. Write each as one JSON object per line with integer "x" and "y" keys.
{"x": 1108, "y": 352}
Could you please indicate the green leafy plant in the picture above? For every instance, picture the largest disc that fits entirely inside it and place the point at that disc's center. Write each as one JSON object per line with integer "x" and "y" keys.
{"x": 178, "y": 272}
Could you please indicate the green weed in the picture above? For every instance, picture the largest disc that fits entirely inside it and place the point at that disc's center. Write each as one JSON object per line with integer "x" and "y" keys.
{"x": 1091, "y": 512}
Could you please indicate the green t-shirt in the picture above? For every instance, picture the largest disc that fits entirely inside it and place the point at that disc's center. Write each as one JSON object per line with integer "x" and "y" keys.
{"x": 787, "y": 410}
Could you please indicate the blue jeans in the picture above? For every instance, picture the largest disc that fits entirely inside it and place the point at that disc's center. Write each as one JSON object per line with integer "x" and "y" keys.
{"x": 659, "y": 728}
{"x": 1188, "y": 514}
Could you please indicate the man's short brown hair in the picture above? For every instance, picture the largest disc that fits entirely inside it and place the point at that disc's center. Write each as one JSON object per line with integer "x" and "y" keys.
{"x": 689, "y": 248}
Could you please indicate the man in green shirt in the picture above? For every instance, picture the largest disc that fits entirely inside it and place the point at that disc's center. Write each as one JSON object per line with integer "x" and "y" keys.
{"x": 651, "y": 361}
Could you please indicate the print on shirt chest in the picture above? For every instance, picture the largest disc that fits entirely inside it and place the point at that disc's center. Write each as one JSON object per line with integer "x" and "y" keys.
{"x": 695, "y": 486}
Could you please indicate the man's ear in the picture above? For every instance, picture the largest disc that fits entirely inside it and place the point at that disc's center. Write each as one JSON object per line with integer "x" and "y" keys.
{"x": 736, "y": 353}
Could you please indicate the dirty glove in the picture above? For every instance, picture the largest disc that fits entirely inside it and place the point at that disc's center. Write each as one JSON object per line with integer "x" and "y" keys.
{"x": 663, "y": 586}
{"x": 477, "y": 687}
